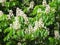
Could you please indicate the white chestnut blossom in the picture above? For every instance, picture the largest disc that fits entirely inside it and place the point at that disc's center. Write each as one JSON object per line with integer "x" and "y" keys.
{"x": 8, "y": 16}
{"x": 10, "y": 12}
{"x": 1, "y": 13}
{"x": 19, "y": 12}
{"x": 31, "y": 5}
{"x": 10, "y": 25}
{"x": 16, "y": 24}
{"x": 41, "y": 24}
{"x": 57, "y": 36}
{"x": 47, "y": 10}
{"x": 2, "y": 1}
{"x": 19, "y": 43}
{"x": 26, "y": 20}
{"x": 26, "y": 31}
{"x": 44, "y": 3}
{"x": 36, "y": 26}
{"x": 30, "y": 28}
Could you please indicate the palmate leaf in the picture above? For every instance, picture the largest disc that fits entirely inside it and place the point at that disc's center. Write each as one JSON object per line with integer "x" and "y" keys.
{"x": 4, "y": 24}
{"x": 25, "y": 10}
{"x": 37, "y": 34}
{"x": 53, "y": 4}
{"x": 10, "y": 42}
{"x": 36, "y": 8}
{"x": 3, "y": 17}
{"x": 9, "y": 29}
{"x": 6, "y": 38}
{"x": 14, "y": 37}
{"x": 44, "y": 33}
{"x": 10, "y": 34}
{"x": 52, "y": 41}
{"x": 7, "y": 4}
{"x": 21, "y": 19}
{"x": 40, "y": 33}
{"x": 20, "y": 33}
{"x": 48, "y": 19}
{"x": 29, "y": 36}
{"x": 10, "y": 4}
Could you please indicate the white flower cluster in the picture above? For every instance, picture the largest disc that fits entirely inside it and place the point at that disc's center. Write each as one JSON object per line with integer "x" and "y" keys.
{"x": 19, "y": 12}
{"x": 16, "y": 24}
{"x": 36, "y": 26}
{"x": 56, "y": 34}
{"x": 1, "y": 13}
{"x": 47, "y": 10}
{"x": 10, "y": 14}
{"x": 19, "y": 43}
{"x": 39, "y": 24}
{"x": 31, "y": 4}
{"x": 30, "y": 28}
{"x": 44, "y": 3}
{"x": 2, "y": 1}
{"x": 11, "y": 25}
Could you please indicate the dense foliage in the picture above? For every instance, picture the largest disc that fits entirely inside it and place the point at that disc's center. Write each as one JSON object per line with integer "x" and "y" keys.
{"x": 30, "y": 22}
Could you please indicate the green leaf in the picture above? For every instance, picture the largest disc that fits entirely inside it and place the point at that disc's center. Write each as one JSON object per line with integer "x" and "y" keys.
{"x": 3, "y": 17}
{"x": 7, "y": 4}
{"x": 0, "y": 30}
{"x": 20, "y": 33}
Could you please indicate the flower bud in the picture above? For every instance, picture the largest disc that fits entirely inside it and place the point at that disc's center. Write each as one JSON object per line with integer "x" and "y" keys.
{"x": 47, "y": 10}
{"x": 1, "y": 13}
{"x": 31, "y": 4}
{"x": 10, "y": 12}
{"x": 16, "y": 24}
{"x": 44, "y": 3}
{"x": 36, "y": 26}
{"x": 57, "y": 36}
{"x": 41, "y": 24}
{"x": 2, "y": 1}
